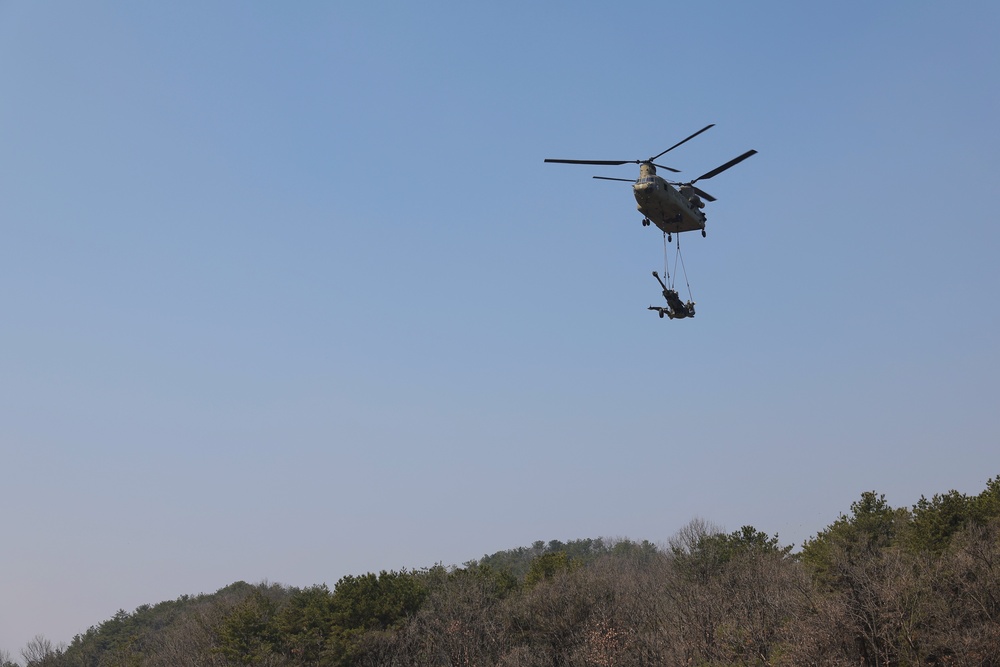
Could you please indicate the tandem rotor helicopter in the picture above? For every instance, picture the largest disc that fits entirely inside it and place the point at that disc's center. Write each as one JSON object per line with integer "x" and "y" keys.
{"x": 674, "y": 207}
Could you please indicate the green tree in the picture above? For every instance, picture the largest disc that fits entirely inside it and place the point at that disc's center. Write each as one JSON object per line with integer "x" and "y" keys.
{"x": 547, "y": 566}
{"x": 306, "y": 623}
{"x": 871, "y": 526}
{"x": 986, "y": 505}
{"x": 248, "y": 635}
{"x": 858, "y": 563}
{"x": 370, "y": 604}
{"x": 934, "y": 521}
{"x": 644, "y": 551}
{"x": 701, "y": 551}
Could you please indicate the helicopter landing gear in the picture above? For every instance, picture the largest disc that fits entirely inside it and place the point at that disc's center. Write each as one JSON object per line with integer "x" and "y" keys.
{"x": 645, "y": 222}
{"x": 668, "y": 237}
{"x": 703, "y": 234}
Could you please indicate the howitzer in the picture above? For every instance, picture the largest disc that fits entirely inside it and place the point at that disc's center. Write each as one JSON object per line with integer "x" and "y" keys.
{"x": 677, "y": 309}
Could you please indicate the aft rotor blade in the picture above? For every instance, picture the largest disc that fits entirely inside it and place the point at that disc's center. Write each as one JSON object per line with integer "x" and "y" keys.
{"x": 698, "y": 191}
{"x": 608, "y": 178}
{"x": 598, "y": 162}
{"x": 681, "y": 142}
{"x": 722, "y": 168}
{"x": 701, "y": 193}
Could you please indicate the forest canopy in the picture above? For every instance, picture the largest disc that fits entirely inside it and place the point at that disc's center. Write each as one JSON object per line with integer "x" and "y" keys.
{"x": 879, "y": 586}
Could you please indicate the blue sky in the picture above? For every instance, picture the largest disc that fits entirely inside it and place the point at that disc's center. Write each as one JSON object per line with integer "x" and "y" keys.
{"x": 288, "y": 292}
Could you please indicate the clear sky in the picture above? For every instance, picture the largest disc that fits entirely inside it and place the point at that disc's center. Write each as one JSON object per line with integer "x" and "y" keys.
{"x": 288, "y": 293}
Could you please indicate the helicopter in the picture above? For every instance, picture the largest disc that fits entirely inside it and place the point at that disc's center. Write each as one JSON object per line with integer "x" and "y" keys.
{"x": 673, "y": 207}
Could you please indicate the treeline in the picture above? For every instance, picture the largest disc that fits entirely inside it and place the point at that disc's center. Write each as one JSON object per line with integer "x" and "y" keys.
{"x": 880, "y": 586}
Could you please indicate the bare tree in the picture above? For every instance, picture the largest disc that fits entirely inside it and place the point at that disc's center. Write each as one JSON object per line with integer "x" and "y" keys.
{"x": 6, "y": 660}
{"x": 687, "y": 539}
{"x": 40, "y": 651}
{"x": 961, "y": 622}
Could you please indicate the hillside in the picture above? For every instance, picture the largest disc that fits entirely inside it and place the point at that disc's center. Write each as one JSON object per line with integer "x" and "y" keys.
{"x": 880, "y": 585}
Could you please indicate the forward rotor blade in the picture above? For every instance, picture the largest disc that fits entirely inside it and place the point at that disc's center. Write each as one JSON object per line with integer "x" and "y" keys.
{"x": 681, "y": 142}
{"x": 598, "y": 162}
{"x": 611, "y": 163}
{"x": 718, "y": 170}
{"x": 608, "y": 178}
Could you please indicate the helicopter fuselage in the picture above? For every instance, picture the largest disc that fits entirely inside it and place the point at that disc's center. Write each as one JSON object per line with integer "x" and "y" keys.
{"x": 670, "y": 209}
{"x": 673, "y": 207}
